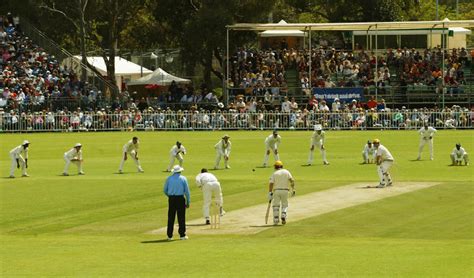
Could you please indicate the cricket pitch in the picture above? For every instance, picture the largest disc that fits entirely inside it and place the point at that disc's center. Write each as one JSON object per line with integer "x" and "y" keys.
{"x": 251, "y": 220}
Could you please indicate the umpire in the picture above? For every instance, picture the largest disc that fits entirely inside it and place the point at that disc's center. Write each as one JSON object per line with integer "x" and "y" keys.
{"x": 177, "y": 190}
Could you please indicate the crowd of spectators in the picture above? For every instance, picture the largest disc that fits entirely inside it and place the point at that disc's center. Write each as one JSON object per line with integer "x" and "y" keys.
{"x": 348, "y": 117}
{"x": 32, "y": 79}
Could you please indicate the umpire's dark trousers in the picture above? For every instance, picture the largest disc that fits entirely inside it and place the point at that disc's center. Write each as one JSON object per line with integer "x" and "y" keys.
{"x": 176, "y": 205}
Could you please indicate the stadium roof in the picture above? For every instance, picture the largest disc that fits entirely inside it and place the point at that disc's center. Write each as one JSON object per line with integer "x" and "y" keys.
{"x": 353, "y": 26}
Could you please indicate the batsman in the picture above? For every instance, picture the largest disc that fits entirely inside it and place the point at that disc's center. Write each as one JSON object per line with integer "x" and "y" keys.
{"x": 278, "y": 190}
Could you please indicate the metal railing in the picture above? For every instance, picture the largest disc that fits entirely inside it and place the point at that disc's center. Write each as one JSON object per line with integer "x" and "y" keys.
{"x": 458, "y": 118}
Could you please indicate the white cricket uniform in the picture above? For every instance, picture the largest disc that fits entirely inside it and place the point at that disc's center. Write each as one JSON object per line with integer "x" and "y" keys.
{"x": 69, "y": 156}
{"x": 317, "y": 140}
{"x": 387, "y": 162}
{"x": 426, "y": 137}
{"x": 281, "y": 179}
{"x": 177, "y": 153}
{"x": 222, "y": 150}
{"x": 132, "y": 150}
{"x": 368, "y": 153}
{"x": 210, "y": 186}
{"x": 271, "y": 144}
{"x": 457, "y": 156}
{"x": 20, "y": 153}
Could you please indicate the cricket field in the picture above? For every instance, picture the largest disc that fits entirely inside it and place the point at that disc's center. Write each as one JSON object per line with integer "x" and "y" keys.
{"x": 105, "y": 224}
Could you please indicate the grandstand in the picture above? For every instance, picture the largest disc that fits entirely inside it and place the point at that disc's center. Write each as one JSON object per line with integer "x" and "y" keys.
{"x": 267, "y": 88}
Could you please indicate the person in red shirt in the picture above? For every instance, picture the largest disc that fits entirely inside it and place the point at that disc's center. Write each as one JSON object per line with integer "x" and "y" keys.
{"x": 372, "y": 103}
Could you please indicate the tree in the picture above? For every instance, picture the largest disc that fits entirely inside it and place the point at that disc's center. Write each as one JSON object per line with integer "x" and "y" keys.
{"x": 198, "y": 27}
{"x": 98, "y": 22}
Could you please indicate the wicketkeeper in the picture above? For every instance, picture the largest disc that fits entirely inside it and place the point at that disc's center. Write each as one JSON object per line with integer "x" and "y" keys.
{"x": 458, "y": 155}
{"x": 74, "y": 155}
{"x": 271, "y": 145}
{"x": 368, "y": 154}
{"x": 19, "y": 160}
{"x": 278, "y": 191}
{"x": 223, "y": 150}
{"x": 176, "y": 152}
{"x": 131, "y": 149}
{"x": 317, "y": 139}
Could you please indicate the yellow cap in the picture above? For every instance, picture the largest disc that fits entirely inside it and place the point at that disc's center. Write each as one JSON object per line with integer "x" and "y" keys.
{"x": 376, "y": 141}
{"x": 278, "y": 163}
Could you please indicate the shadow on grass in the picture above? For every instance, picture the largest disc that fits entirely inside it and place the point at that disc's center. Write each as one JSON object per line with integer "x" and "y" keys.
{"x": 195, "y": 225}
{"x": 265, "y": 226}
{"x": 262, "y": 167}
{"x": 156, "y": 241}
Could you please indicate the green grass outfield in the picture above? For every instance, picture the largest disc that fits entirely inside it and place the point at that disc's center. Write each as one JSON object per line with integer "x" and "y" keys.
{"x": 97, "y": 224}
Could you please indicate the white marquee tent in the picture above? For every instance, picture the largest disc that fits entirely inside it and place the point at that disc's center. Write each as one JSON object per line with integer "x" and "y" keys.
{"x": 125, "y": 70}
{"x": 158, "y": 77}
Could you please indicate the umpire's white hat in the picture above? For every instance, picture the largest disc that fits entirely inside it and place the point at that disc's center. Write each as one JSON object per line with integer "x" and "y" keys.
{"x": 78, "y": 145}
{"x": 26, "y": 142}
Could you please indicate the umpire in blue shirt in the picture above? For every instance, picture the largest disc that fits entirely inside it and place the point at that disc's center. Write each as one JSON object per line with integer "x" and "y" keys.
{"x": 177, "y": 190}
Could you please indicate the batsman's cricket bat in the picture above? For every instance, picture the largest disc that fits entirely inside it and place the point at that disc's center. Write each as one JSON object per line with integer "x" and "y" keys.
{"x": 268, "y": 212}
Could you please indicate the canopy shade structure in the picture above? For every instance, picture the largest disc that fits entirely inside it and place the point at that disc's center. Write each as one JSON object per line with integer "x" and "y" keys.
{"x": 282, "y": 33}
{"x": 158, "y": 77}
{"x": 352, "y": 26}
{"x": 122, "y": 66}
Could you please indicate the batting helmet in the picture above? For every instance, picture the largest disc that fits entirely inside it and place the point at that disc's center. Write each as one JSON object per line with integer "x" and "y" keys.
{"x": 376, "y": 141}
{"x": 278, "y": 163}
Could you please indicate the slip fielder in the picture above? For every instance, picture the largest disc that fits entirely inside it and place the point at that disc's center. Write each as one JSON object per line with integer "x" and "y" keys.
{"x": 74, "y": 155}
{"x": 426, "y": 137}
{"x": 19, "y": 158}
{"x": 131, "y": 148}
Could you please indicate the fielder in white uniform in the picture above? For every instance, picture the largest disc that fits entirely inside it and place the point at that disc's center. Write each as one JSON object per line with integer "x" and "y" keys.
{"x": 458, "y": 155}
{"x": 271, "y": 144}
{"x": 19, "y": 158}
{"x": 384, "y": 160}
{"x": 317, "y": 139}
{"x": 131, "y": 148}
{"x": 177, "y": 151}
{"x": 74, "y": 155}
{"x": 223, "y": 150}
{"x": 209, "y": 185}
{"x": 278, "y": 189}
{"x": 426, "y": 137}
{"x": 368, "y": 154}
